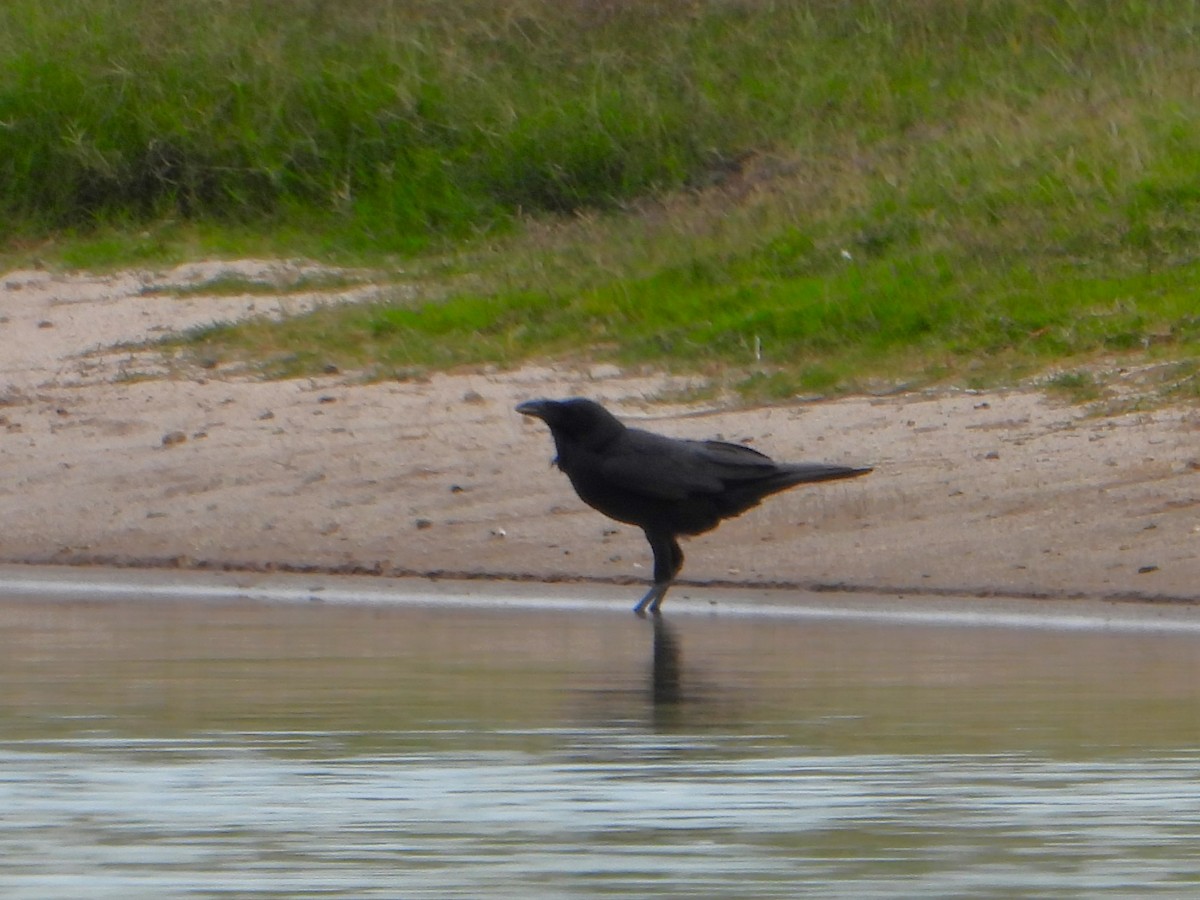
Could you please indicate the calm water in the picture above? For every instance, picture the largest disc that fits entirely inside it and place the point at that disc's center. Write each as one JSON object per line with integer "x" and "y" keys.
{"x": 251, "y": 749}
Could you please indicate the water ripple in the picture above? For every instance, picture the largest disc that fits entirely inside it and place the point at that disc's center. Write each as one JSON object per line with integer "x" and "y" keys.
{"x": 231, "y": 813}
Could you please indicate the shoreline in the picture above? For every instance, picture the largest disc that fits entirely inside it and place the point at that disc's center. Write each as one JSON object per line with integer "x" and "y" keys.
{"x": 355, "y": 570}
{"x": 67, "y": 584}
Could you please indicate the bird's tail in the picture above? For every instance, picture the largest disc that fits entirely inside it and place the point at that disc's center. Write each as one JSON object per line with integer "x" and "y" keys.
{"x": 789, "y": 475}
{"x": 800, "y": 473}
{"x": 736, "y": 500}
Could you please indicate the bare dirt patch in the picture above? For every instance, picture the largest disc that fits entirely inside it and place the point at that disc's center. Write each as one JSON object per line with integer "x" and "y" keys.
{"x": 1006, "y": 493}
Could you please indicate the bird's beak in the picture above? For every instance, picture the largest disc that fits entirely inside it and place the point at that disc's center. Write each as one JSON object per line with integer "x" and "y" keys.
{"x": 535, "y": 408}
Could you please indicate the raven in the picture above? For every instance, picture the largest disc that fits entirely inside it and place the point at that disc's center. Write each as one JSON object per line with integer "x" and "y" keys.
{"x": 665, "y": 486}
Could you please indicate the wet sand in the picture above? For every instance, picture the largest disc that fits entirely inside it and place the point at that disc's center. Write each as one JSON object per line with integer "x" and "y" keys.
{"x": 73, "y": 584}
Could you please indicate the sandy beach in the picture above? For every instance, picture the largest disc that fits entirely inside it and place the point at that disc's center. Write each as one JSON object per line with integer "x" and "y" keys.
{"x": 115, "y": 455}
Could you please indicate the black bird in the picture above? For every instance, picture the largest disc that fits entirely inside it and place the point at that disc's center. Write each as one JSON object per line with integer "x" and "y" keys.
{"x": 666, "y": 487}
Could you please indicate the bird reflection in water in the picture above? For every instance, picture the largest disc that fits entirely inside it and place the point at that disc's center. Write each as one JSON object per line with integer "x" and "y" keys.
{"x": 666, "y": 687}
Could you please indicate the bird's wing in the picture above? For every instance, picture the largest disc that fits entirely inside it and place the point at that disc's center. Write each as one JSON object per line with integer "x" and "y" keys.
{"x": 738, "y": 463}
{"x": 735, "y": 454}
{"x": 669, "y": 469}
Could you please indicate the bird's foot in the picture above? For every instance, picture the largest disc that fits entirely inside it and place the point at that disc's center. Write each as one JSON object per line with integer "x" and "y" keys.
{"x": 652, "y": 602}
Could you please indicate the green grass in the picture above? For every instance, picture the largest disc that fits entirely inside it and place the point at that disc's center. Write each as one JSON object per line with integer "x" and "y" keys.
{"x": 382, "y": 123}
{"x": 816, "y": 196}
{"x": 806, "y": 334}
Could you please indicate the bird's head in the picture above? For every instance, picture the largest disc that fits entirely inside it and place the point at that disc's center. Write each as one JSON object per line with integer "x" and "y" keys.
{"x": 575, "y": 421}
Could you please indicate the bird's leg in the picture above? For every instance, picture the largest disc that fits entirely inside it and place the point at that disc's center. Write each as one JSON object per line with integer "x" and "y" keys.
{"x": 676, "y": 564}
{"x": 668, "y": 560}
{"x": 652, "y": 600}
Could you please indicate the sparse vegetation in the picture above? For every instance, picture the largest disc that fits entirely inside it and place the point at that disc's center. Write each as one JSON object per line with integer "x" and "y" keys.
{"x": 1078, "y": 386}
{"x": 820, "y": 196}
{"x": 237, "y": 285}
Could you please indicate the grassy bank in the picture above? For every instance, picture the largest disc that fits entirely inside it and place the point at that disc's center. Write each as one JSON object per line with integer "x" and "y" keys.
{"x": 819, "y": 195}
{"x": 383, "y": 123}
